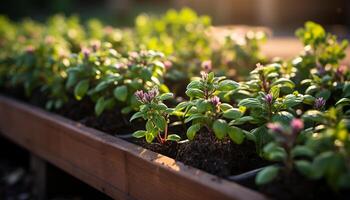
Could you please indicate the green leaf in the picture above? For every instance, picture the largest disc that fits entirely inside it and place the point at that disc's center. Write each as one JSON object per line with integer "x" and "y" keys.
{"x": 80, "y": 89}
{"x": 192, "y": 93}
{"x": 126, "y": 110}
{"x": 139, "y": 134}
{"x": 196, "y": 84}
{"x": 313, "y": 115}
{"x": 225, "y": 106}
{"x": 274, "y": 152}
{"x": 284, "y": 82}
{"x": 346, "y": 90}
{"x": 262, "y": 137}
{"x": 312, "y": 89}
{"x": 242, "y": 120}
{"x": 236, "y": 134}
{"x": 101, "y": 86}
{"x": 343, "y": 102}
{"x": 203, "y": 106}
{"x": 194, "y": 116}
{"x": 291, "y": 100}
{"x": 304, "y": 167}
{"x": 228, "y": 85}
{"x": 266, "y": 175}
{"x": 283, "y": 117}
{"x": 100, "y": 106}
{"x": 192, "y": 130}
{"x": 160, "y": 122}
{"x": 325, "y": 94}
{"x": 121, "y": 93}
{"x": 182, "y": 105}
{"x": 302, "y": 151}
{"x": 174, "y": 137}
{"x": 275, "y": 91}
{"x": 149, "y": 137}
{"x": 308, "y": 99}
{"x": 166, "y": 96}
{"x": 220, "y": 127}
{"x": 250, "y": 103}
{"x": 136, "y": 115}
{"x": 321, "y": 164}
{"x": 233, "y": 113}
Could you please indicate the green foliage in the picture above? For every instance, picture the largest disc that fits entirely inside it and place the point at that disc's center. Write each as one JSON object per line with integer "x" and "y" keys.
{"x": 63, "y": 60}
{"x": 157, "y": 115}
{"x": 205, "y": 108}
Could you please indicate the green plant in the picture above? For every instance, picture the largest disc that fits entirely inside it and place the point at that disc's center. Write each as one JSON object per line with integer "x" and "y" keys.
{"x": 206, "y": 110}
{"x": 285, "y": 149}
{"x": 157, "y": 115}
{"x": 139, "y": 71}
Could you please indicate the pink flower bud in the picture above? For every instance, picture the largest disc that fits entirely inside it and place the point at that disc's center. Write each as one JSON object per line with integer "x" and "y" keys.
{"x": 268, "y": 98}
{"x": 207, "y": 66}
{"x": 275, "y": 127}
{"x": 215, "y": 101}
{"x": 297, "y": 125}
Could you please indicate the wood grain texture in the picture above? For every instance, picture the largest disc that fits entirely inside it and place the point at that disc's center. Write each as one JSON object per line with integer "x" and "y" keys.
{"x": 120, "y": 169}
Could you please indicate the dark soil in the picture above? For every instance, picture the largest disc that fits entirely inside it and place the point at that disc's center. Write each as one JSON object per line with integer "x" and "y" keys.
{"x": 295, "y": 186}
{"x": 219, "y": 157}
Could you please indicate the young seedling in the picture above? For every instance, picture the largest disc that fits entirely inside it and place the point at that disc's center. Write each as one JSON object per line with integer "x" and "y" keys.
{"x": 285, "y": 149}
{"x": 205, "y": 108}
{"x": 156, "y": 113}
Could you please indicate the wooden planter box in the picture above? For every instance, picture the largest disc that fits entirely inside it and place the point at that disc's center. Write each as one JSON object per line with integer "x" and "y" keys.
{"x": 118, "y": 168}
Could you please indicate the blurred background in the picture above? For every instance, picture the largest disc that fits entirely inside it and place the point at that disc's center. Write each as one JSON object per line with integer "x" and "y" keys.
{"x": 282, "y": 16}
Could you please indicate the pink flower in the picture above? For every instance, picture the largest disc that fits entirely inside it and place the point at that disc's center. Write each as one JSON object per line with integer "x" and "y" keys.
{"x": 86, "y": 52}
{"x": 275, "y": 127}
{"x": 268, "y": 98}
{"x": 30, "y": 49}
{"x": 215, "y": 101}
{"x": 341, "y": 70}
{"x": 207, "y": 66}
{"x": 297, "y": 125}
{"x": 167, "y": 64}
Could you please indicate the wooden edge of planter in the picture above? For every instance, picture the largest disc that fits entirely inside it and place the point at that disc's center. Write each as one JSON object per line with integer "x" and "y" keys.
{"x": 116, "y": 167}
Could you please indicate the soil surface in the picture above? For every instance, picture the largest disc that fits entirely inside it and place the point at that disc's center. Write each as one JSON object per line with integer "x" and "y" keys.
{"x": 295, "y": 186}
{"x": 219, "y": 157}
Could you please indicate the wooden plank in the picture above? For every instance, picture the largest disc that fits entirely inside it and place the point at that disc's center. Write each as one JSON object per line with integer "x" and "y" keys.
{"x": 120, "y": 169}
{"x": 66, "y": 145}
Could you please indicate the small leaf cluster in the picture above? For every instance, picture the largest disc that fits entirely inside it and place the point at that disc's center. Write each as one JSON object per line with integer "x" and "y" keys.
{"x": 156, "y": 113}
{"x": 205, "y": 109}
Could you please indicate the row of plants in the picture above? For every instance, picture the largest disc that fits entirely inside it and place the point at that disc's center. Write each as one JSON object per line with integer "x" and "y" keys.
{"x": 289, "y": 115}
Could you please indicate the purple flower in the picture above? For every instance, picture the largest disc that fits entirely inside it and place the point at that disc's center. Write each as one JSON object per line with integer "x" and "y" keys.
{"x": 268, "y": 98}
{"x": 275, "y": 127}
{"x": 207, "y": 66}
{"x": 320, "y": 70}
{"x": 297, "y": 125}
{"x": 146, "y": 97}
{"x": 153, "y": 93}
{"x": 86, "y": 52}
{"x": 215, "y": 101}
{"x": 319, "y": 103}
{"x": 140, "y": 95}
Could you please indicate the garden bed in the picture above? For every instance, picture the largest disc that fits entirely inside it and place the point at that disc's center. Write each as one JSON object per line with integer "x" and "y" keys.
{"x": 116, "y": 167}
